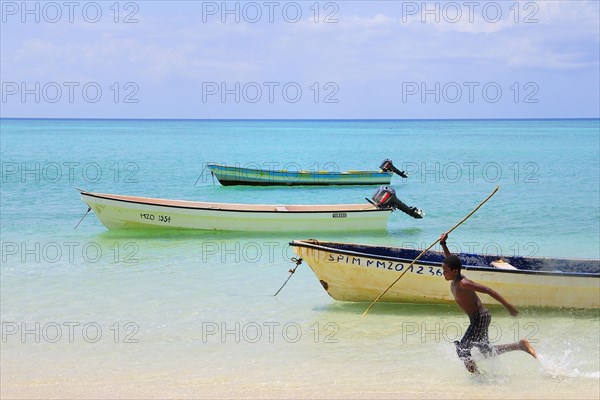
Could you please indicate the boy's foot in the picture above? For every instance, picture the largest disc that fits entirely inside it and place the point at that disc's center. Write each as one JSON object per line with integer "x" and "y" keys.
{"x": 527, "y": 347}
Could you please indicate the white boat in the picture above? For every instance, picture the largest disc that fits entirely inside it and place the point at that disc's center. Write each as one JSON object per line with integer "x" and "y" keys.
{"x": 360, "y": 273}
{"x": 230, "y": 175}
{"x": 131, "y": 212}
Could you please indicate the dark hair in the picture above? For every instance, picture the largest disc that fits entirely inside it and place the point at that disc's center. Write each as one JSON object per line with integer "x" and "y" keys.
{"x": 453, "y": 262}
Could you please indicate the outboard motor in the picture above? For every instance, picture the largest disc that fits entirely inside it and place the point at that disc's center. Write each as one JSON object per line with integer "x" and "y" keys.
{"x": 385, "y": 197}
{"x": 387, "y": 166}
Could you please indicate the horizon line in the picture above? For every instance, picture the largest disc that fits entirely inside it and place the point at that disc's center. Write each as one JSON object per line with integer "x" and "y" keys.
{"x": 297, "y": 119}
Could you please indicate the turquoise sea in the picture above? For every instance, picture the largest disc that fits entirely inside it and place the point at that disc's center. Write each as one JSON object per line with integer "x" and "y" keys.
{"x": 92, "y": 313}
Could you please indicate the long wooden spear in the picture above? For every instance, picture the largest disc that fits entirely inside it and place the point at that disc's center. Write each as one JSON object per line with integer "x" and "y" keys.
{"x": 427, "y": 249}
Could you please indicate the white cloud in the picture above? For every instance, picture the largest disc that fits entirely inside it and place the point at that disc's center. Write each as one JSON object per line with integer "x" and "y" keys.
{"x": 367, "y": 46}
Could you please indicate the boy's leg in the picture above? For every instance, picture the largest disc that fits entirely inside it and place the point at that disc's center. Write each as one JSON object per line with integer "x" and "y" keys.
{"x": 522, "y": 344}
{"x": 464, "y": 353}
{"x": 475, "y": 335}
{"x": 479, "y": 333}
{"x": 471, "y": 366}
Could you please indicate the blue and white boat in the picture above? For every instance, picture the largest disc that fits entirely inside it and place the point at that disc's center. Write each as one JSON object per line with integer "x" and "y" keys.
{"x": 229, "y": 175}
{"x": 361, "y": 272}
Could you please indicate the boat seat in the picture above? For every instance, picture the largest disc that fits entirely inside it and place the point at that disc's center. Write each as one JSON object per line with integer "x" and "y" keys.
{"x": 281, "y": 208}
{"x": 501, "y": 264}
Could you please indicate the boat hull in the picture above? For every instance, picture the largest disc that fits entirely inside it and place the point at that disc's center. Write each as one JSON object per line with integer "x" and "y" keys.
{"x": 229, "y": 176}
{"x": 361, "y": 278}
{"x": 124, "y": 212}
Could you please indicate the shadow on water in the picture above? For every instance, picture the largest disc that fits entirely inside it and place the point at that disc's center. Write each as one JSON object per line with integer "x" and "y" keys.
{"x": 372, "y": 237}
{"x": 577, "y": 313}
{"x": 383, "y": 309}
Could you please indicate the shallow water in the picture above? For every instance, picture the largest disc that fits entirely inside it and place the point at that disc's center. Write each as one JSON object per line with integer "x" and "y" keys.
{"x": 97, "y": 313}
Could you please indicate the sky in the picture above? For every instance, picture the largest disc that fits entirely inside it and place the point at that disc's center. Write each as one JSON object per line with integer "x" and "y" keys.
{"x": 300, "y": 59}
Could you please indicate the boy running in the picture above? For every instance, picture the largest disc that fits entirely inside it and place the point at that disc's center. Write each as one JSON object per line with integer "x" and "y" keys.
{"x": 464, "y": 291}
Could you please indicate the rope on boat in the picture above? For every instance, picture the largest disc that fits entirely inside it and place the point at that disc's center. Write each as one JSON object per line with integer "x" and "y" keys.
{"x": 427, "y": 249}
{"x": 298, "y": 261}
{"x": 201, "y": 174}
{"x": 86, "y": 213}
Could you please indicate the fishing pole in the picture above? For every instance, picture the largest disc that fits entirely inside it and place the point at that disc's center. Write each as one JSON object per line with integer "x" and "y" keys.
{"x": 427, "y": 249}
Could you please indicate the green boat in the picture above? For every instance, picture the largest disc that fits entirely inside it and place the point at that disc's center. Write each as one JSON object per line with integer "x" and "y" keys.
{"x": 229, "y": 176}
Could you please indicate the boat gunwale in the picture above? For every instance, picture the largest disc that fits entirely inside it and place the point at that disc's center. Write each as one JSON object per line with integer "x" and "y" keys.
{"x": 106, "y": 196}
{"x": 280, "y": 183}
{"x": 302, "y": 243}
{"x": 282, "y": 172}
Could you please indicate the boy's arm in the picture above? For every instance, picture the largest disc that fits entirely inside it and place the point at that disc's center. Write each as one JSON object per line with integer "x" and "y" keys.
{"x": 443, "y": 239}
{"x": 468, "y": 284}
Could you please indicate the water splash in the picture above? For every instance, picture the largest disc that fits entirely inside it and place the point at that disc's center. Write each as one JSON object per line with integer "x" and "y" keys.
{"x": 565, "y": 365}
